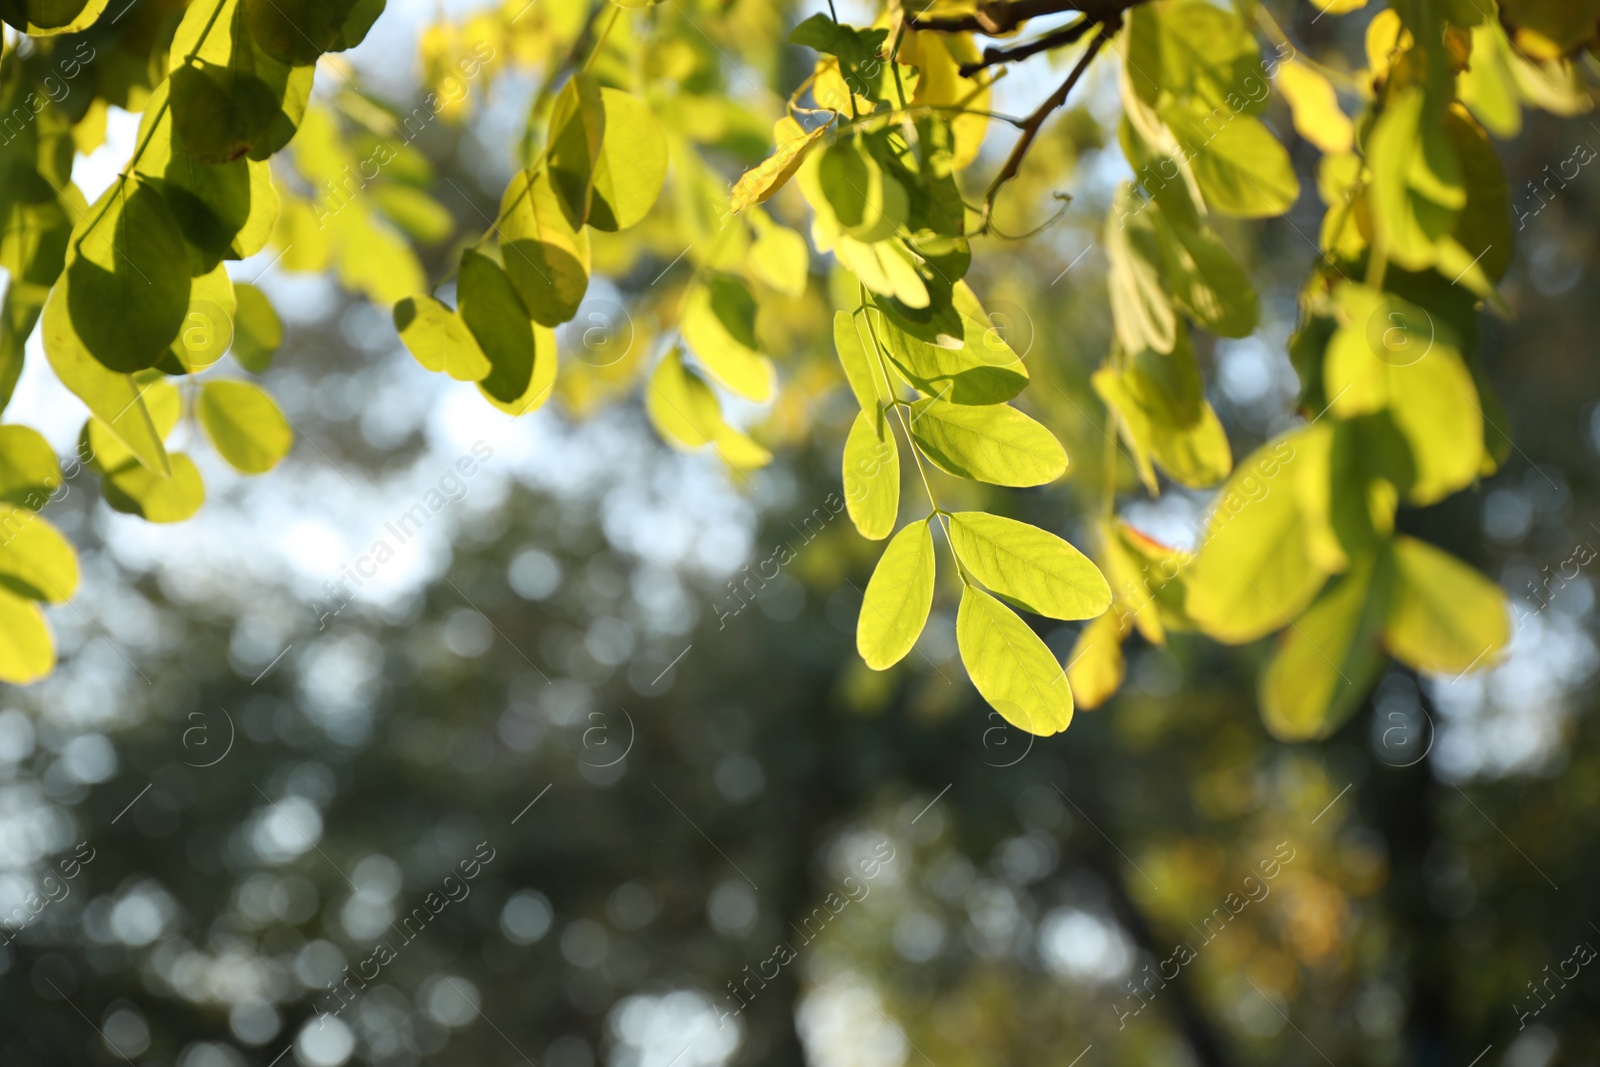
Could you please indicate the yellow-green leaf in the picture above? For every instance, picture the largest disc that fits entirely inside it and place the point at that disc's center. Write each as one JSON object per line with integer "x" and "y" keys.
{"x": 257, "y": 330}
{"x": 767, "y": 177}
{"x": 898, "y": 598}
{"x": 1315, "y": 106}
{"x": 439, "y": 339}
{"x": 1445, "y": 617}
{"x": 1010, "y": 666}
{"x": 1029, "y": 567}
{"x": 1325, "y": 665}
{"x": 861, "y": 369}
{"x": 632, "y": 164}
{"x": 681, "y": 405}
{"x": 1241, "y": 168}
{"x": 35, "y": 560}
{"x": 577, "y": 130}
{"x": 29, "y": 471}
{"x": 43, "y": 18}
{"x": 244, "y": 425}
{"x": 136, "y": 491}
{"x": 994, "y": 443}
{"x": 113, "y": 398}
{"x": 872, "y": 474}
{"x": 208, "y": 325}
{"x": 1254, "y": 573}
{"x": 1096, "y": 666}
{"x": 128, "y": 277}
{"x": 719, "y": 323}
{"x": 545, "y": 255}
{"x": 27, "y": 652}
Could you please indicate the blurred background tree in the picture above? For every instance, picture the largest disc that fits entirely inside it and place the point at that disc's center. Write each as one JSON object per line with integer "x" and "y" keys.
{"x": 649, "y": 823}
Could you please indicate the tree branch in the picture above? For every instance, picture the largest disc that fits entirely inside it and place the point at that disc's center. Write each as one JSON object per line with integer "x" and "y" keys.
{"x": 1031, "y": 127}
{"x": 1060, "y": 38}
{"x": 996, "y": 17}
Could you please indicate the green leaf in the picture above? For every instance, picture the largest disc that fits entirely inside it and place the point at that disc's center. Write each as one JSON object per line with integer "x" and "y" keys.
{"x": 257, "y": 330}
{"x": 1325, "y": 665}
{"x": 29, "y": 471}
{"x": 1416, "y": 190}
{"x": 546, "y": 257}
{"x": 577, "y": 130}
{"x": 35, "y": 560}
{"x": 134, "y": 490}
{"x": 244, "y": 425}
{"x": 219, "y": 105}
{"x": 439, "y": 339}
{"x": 300, "y": 31}
{"x": 632, "y": 164}
{"x": 113, "y": 398}
{"x": 1241, "y": 168}
{"x": 228, "y": 97}
{"x": 860, "y": 368}
{"x": 898, "y": 598}
{"x": 1011, "y": 666}
{"x": 719, "y": 323}
{"x": 681, "y": 405}
{"x": 779, "y": 256}
{"x": 995, "y": 444}
{"x": 1035, "y": 570}
{"x": 1205, "y": 279}
{"x": 492, "y": 311}
{"x": 1096, "y": 666}
{"x": 1254, "y": 573}
{"x": 872, "y": 475}
{"x": 128, "y": 277}
{"x": 1194, "y": 49}
{"x": 208, "y": 324}
{"x": 43, "y": 18}
{"x": 223, "y": 210}
{"x": 981, "y": 370}
{"x": 1393, "y": 355}
{"x": 1141, "y": 310}
{"x": 868, "y": 204}
{"x": 848, "y": 43}
{"x": 1446, "y": 617}
{"x": 541, "y": 383}
{"x": 19, "y": 314}
{"x": 34, "y": 224}
{"x": 27, "y": 652}
{"x": 1165, "y": 416}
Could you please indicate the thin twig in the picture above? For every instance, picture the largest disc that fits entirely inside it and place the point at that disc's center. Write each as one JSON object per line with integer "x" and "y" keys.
{"x": 1069, "y": 34}
{"x": 1030, "y": 128}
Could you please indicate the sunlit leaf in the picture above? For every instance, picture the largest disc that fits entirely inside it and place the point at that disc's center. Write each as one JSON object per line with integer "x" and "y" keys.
{"x": 632, "y": 164}
{"x": 577, "y": 131}
{"x": 27, "y": 651}
{"x": 1325, "y": 665}
{"x": 243, "y": 424}
{"x": 1254, "y": 572}
{"x": 257, "y": 330}
{"x": 35, "y": 560}
{"x": 1445, "y": 616}
{"x": 898, "y": 598}
{"x": 872, "y": 474}
{"x": 439, "y": 339}
{"x": 128, "y": 277}
{"x": 546, "y": 257}
{"x": 996, "y": 444}
{"x": 1029, "y": 567}
{"x": 1010, "y": 666}
{"x": 719, "y": 323}
{"x": 1096, "y": 665}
